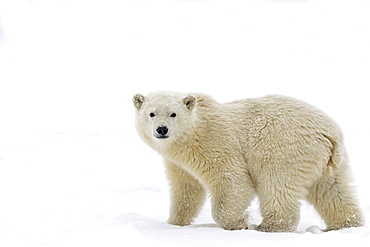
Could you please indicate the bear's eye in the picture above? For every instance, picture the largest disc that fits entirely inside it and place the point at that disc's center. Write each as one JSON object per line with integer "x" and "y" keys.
{"x": 152, "y": 114}
{"x": 173, "y": 115}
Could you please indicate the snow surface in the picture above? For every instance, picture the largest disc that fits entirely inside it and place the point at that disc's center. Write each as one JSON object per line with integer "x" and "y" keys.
{"x": 73, "y": 171}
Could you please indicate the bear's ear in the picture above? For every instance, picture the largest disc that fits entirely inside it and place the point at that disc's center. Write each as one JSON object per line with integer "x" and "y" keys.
{"x": 138, "y": 100}
{"x": 189, "y": 101}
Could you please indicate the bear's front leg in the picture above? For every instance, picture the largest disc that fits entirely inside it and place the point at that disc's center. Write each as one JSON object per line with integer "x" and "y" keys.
{"x": 229, "y": 204}
{"x": 187, "y": 195}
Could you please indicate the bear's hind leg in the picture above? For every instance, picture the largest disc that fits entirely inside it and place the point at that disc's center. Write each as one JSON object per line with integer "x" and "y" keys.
{"x": 334, "y": 200}
{"x": 280, "y": 209}
{"x": 187, "y": 195}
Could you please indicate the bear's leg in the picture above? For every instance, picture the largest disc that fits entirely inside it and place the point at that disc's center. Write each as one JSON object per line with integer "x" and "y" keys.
{"x": 334, "y": 200}
{"x": 230, "y": 201}
{"x": 187, "y": 195}
{"x": 280, "y": 208}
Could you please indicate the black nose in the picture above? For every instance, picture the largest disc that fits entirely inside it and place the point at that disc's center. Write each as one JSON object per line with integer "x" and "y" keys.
{"x": 162, "y": 130}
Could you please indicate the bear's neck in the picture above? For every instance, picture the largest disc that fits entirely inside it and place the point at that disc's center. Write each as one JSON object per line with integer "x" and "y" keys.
{"x": 196, "y": 151}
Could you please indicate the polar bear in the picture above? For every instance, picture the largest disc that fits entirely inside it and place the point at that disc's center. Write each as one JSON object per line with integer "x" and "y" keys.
{"x": 277, "y": 148}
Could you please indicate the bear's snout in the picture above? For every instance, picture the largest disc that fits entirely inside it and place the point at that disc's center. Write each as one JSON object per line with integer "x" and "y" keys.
{"x": 162, "y": 132}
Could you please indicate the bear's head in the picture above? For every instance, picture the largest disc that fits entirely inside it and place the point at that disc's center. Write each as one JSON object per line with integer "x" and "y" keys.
{"x": 164, "y": 116}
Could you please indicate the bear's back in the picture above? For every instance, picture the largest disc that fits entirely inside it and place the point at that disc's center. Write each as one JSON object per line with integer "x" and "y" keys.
{"x": 283, "y": 112}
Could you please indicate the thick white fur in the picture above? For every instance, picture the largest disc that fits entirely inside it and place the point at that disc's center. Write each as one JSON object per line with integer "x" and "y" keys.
{"x": 277, "y": 148}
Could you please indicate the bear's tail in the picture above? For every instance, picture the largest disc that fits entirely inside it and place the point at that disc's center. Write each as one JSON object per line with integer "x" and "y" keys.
{"x": 338, "y": 155}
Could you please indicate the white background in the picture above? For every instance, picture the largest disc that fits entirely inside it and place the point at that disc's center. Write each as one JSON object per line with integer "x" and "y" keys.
{"x": 73, "y": 171}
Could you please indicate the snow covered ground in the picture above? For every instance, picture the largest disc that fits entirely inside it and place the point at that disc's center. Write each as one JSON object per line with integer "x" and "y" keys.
{"x": 73, "y": 172}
